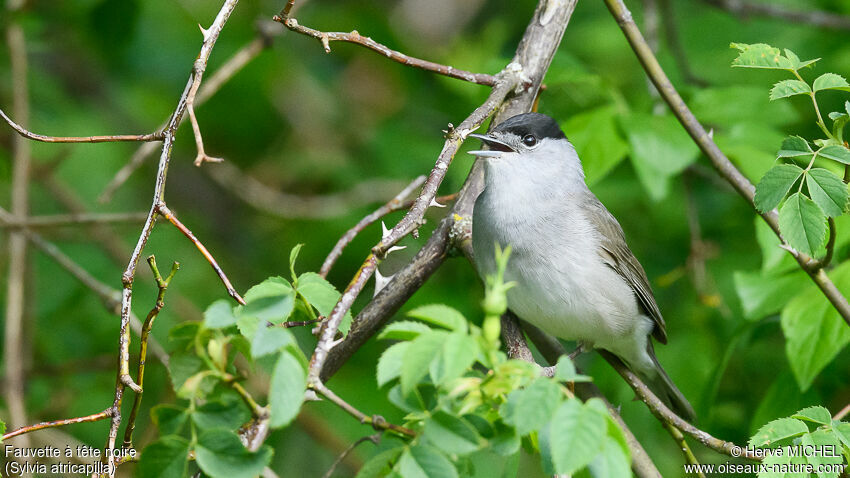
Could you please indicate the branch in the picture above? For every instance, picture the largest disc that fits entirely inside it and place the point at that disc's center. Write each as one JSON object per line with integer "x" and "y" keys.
{"x": 816, "y": 18}
{"x": 209, "y": 88}
{"x": 376, "y": 438}
{"x": 61, "y": 220}
{"x": 58, "y": 423}
{"x": 376, "y": 421}
{"x": 393, "y": 205}
{"x": 80, "y": 139}
{"x": 354, "y": 37}
{"x": 665, "y": 415}
{"x": 720, "y": 162}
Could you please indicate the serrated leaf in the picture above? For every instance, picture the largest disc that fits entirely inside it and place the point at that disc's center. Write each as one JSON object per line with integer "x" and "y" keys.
{"x": 389, "y": 365}
{"x": 835, "y": 153}
{"x": 403, "y": 330}
{"x": 286, "y": 391}
{"x": 576, "y": 436}
{"x": 794, "y": 146}
{"x": 802, "y": 223}
{"x": 830, "y": 81}
{"x": 827, "y": 190}
{"x": 169, "y": 419}
{"x": 786, "y": 88}
{"x": 778, "y": 430}
{"x": 810, "y": 319}
{"x": 816, "y": 414}
{"x": 422, "y": 461}
{"x": 441, "y": 316}
{"x": 379, "y": 465}
{"x": 827, "y": 452}
{"x": 760, "y": 55}
{"x": 565, "y": 371}
{"x": 418, "y": 357}
{"x": 451, "y": 434}
{"x": 219, "y": 315}
{"x": 530, "y": 408}
{"x": 220, "y": 454}
{"x": 322, "y": 295}
{"x": 167, "y": 457}
{"x": 456, "y": 356}
{"x": 271, "y": 300}
{"x": 775, "y": 184}
{"x": 268, "y": 340}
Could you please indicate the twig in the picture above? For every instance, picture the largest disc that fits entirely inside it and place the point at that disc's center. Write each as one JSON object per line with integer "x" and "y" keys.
{"x": 376, "y": 421}
{"x": 816, "y": 18}
{"x": 79, "y": 139}
{"x": 210, "y": 38}
{"x": 842, "y": 413}
{"x": 270, "y": 200}
{"x": 61, "y": 220}
{"x": 683, "y": 446}
{"x": 166, "y": 213}
{"x": 720, "y": 162}
{"x": 665, "y": 415}
{"x": 14, "y": 350}
{"x": 376, "y": 438}
{"x": 346, "y": 238}
{"x": 162, "y": 285}
{"x": 209, "y": 88}
{"x": 354, "y": 37}
{"x": 58, "y": 423}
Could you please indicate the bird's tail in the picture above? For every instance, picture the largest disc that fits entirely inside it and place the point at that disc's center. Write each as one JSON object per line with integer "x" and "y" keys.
{"x": 663, "y": 388}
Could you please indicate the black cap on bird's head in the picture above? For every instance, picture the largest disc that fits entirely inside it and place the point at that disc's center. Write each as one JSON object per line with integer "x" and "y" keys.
{"x": 524, "y": 131}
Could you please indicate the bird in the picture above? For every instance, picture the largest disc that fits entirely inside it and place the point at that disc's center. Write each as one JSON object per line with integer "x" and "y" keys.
{"x": 575, "y": 277}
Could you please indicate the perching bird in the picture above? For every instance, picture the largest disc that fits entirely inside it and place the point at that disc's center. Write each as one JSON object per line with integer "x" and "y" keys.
{"x": 575, "y": 276}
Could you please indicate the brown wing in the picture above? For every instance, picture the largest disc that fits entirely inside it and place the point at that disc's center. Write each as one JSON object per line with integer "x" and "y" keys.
{"x": 619, "y": 257}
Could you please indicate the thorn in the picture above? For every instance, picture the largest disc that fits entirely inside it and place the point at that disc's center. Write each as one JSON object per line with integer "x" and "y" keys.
{"x": 434, "y": 203}
{"x": 384, "y": 231}
{"x": 711, "y": 134}
{"x": 310, "y": 396}
{"x": 395, "y": 248}
{"x": 334, "y": 343}
{"x": 204, "y": 32}
{"x": 380, "y": 281}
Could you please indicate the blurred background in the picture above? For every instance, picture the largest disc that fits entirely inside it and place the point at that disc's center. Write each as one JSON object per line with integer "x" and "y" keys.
{"x": 315, "y": 141}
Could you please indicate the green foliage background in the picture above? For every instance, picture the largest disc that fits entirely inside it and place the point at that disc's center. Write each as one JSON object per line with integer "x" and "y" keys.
{"x": 310, "y": 123}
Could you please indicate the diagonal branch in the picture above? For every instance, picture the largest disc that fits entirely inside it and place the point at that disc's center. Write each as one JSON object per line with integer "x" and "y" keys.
{"x": 366, "y": 42}
{"x": 720, "y": 162}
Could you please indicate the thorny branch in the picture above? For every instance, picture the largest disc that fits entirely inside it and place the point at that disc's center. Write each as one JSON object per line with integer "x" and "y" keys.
{"x": 354, "y": 37}
{"x": 720, "y": 162}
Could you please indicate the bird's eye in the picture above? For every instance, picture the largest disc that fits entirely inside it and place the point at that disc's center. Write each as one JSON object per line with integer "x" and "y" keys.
{"x": 529, "y": 140}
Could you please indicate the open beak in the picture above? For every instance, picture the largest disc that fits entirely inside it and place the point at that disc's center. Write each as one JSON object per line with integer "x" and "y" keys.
{"x": 496, "y": 147}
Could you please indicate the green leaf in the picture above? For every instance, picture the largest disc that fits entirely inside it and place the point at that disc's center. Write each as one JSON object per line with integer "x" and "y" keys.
{"x": 182, "y": 366}
{"x": 286, "y": 391}
{"x": 418, "y": 357}
{"x": 219, "y": 315}
{"x": 763, "y": 294}
{"x": 167, "y": 457}
{"x": 576, "y": 436}
{"x": 760, "y": 55}
{"x": 816, "y": 414}
{"x": 786, "y": 88}
{"x": 794, "y": 146}
{"x": 322, "y": 295}
{"x": 451, "y": 434}
{"x": 835, "y": 153}
{"x": 169, "y": 418}
{"x": 293, "y": 256}
{"x": 842, "y": 431}
{"x": 268, "y": 340}
{"x": 814, "y": 331}
{"x": 774, "y": 259}
{"x": 795, "y": 60}
{"x": 830, "y": 81}
{"x": 271, "y": 300}
{"x": 389, "y": 365}
{"x": 198, "y": 385}
{"x": 530, "y": 408}
{"x": 597, "y": 140}
{"x": 660, "y": 149}
{"x": 565, "y": 371}
{"x": 506, "y": 441}
{"x": 422, "y": 461}
{"x": 379, "y": 465}
{"x": 611, "y": 461}
{"x": 221, "y": 414}
{"x": 775, "y": 184}
{"x": 827, "y": 190}
{"x": 441, "y": 316}
{"x": 182, "y": 335}
{"x": 403, "y": 330}
{"x": 778, "y": 430}
{"x": 457, "y": 355}
{"x": 220, "y": 453}
{"x": 803, "y": 224}
{"x": 827, "y": 452}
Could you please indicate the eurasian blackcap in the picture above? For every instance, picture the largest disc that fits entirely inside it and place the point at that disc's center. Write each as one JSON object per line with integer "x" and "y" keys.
{"x": 575, "y": 276}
